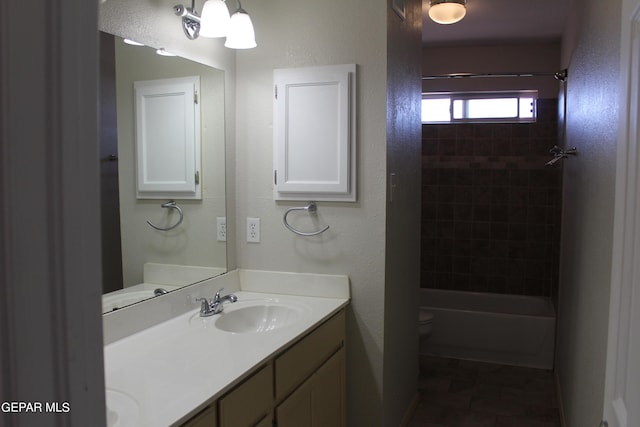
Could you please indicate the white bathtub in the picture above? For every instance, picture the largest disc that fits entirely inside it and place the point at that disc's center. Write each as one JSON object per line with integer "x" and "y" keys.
{"x": 507, "y": 329}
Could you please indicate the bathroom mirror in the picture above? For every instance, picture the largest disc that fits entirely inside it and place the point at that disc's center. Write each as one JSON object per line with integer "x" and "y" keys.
{"x": 140, "y": 261}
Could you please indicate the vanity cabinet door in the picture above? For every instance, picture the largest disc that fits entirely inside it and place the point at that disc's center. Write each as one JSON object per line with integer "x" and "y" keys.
{"x": 296, "y": 364}
{"x": 250, "y": 403}
{"x": 206, "y": 418}
{"x": 319, "y": 401}
{"x": 266, "y": 421}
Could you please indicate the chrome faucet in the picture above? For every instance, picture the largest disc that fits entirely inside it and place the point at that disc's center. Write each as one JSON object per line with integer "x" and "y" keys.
{"x": 215, "y": 305}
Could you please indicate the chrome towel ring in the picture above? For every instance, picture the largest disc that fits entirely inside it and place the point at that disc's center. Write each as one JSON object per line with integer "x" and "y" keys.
{"x": 170, "y": 205}
{"x": 311, "y": 208}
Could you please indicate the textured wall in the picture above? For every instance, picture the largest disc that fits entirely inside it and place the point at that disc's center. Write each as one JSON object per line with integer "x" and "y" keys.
{"x": 591, "y": 52}
{"x": 402, "y": 270}
{"x": 294, "y": 34}
{"x": 491, "y": 208}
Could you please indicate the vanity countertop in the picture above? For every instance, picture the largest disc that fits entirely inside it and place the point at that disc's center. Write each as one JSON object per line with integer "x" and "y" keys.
{"x": 164, "y": 374}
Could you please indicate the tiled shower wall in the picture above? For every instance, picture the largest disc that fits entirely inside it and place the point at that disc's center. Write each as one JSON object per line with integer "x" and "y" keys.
{"x": 490, "y": 206}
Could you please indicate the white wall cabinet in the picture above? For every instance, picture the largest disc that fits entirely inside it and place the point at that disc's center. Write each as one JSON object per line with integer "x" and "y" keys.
{"x": 168, "y": 138}
{"x": 315, "y": 133}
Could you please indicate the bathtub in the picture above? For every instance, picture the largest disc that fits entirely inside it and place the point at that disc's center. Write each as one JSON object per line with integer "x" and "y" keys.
{"x": 506, "y": 329}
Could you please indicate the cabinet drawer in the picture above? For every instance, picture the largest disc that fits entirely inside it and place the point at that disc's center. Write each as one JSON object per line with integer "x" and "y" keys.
{"x": 249, "y": 402}
{"x": 301, "y": 360}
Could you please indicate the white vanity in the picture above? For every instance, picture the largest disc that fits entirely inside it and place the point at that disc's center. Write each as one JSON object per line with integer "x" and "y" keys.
{"x": 277, "y": 354}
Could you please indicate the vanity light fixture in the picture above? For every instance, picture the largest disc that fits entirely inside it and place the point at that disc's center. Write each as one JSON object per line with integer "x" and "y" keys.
{"x": 216, "y": 22}
{"x": 241, "y": 33}
{"x": 215, "y": 18}
{"x": 447, "y": 11}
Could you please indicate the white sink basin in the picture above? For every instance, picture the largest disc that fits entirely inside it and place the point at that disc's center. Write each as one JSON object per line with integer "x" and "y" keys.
{"x": 122, "y": 409}
{"x": 258, "y": 318}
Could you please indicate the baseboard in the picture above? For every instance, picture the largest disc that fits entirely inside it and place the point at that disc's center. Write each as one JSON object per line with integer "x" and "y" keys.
{"x": 411, "y": 410}
{"x": 563, "y": 423}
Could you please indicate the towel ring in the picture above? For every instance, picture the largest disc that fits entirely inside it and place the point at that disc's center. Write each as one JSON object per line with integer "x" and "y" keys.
{"x": 170, "y": 205}
{"x": 311, "y": 208}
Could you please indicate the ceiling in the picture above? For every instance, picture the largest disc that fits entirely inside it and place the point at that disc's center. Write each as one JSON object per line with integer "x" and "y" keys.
{"x": 498, "y": 21}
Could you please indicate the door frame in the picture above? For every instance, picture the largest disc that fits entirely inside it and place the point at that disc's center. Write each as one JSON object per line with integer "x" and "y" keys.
{"x": 622, "y": 377}
{"x": 51, "y": 346}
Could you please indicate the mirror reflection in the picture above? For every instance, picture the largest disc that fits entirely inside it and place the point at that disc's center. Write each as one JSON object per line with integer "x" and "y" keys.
{"x": 141, "y": 261}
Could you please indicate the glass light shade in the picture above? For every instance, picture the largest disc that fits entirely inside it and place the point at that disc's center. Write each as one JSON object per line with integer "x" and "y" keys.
{"x": 447, "y": 12}
{"x": 241, "y": 33}
{"x": 214, "y": 21}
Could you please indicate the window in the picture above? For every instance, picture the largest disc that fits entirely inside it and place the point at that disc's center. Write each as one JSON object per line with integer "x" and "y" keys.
{"x": 479, "y": 107}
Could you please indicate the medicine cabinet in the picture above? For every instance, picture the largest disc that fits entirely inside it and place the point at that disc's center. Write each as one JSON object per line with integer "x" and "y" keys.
{"x": 315, "y": 133}
{"x": 168, "y": 138}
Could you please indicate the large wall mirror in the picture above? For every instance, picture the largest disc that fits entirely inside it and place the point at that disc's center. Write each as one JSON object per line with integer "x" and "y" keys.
{"x": 140, "y": 261}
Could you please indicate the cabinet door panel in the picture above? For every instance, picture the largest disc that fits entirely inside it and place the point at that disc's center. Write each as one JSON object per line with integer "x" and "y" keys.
{"x": 266, "y": 421}
{"x": 296, "y": 410}
{"x": 319, "y": 402}
{"x": 314, "y": 133}
{"x": 295, "y": 365}
{"x": 248, "y": 403}
{"x": 327, "y": 395}
{"x": 206, "y": 418}
{"x": 167, "y": 138}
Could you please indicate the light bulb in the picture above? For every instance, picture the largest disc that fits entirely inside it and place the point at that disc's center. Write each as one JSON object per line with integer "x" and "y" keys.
{"x": 447, "y": 12}
{"x": 241, "y": 33}
{"x": 214, "y": 21}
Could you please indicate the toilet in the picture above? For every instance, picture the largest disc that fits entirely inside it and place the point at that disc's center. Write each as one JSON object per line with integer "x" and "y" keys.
{"x": 425, "y": 327}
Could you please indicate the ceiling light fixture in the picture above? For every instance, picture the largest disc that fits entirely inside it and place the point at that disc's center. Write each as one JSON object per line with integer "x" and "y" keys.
{"x": 216, "y": 22}
{"x": 447, "y": 11}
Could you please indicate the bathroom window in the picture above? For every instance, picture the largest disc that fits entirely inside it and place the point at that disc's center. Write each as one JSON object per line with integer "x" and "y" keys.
{"x": 479, "y": 107}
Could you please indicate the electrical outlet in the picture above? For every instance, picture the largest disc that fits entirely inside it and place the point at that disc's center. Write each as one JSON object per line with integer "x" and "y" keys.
{"x": 253, "y": 230}
{"x": 221, "y": 221}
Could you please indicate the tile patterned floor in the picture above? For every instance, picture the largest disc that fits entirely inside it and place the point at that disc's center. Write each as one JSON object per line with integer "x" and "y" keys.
{"x": 460, "y": 393}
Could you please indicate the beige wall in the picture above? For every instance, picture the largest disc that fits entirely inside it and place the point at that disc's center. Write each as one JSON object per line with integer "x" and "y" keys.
{"x": 295, "y": 34}
{"x": 534, "y": 57}
{"x": 591, "y": 52}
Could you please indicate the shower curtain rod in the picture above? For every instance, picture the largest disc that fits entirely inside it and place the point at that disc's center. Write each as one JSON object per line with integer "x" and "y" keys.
{"x": 560, "y": 75}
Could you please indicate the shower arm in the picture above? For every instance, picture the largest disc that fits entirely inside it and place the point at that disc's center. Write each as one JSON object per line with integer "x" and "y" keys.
{"x": 559, "y": 153}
